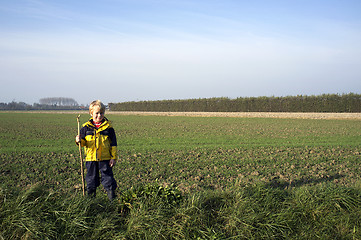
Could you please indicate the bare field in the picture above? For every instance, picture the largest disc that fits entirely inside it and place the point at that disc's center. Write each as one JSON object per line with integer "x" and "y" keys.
{"x": 294, "y": 115}
{"x": 249, "y": 114}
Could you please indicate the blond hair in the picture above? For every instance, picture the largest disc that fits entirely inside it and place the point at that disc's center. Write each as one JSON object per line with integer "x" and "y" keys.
{"x": 96, "y": 103}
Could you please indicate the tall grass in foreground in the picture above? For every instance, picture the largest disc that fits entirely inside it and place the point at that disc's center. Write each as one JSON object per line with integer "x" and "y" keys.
{"x": 260, "y": 211}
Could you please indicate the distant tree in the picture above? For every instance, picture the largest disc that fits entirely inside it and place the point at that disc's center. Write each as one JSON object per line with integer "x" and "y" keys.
{"x": 15, "y": 106}
{"x": 58, "y": 101}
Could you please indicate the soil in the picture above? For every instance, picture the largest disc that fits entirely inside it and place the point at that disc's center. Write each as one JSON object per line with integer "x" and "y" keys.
{"x": 249, "y": 114}
{"x": 223, "y": 114}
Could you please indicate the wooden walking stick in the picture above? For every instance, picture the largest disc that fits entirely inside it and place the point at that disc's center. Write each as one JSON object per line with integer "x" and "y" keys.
{"x": 81, "y": 159}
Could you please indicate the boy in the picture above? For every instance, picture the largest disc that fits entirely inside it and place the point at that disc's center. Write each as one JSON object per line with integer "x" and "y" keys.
{"x": 98, "y": 138}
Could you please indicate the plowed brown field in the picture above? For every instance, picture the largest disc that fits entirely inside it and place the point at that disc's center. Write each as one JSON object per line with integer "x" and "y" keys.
{"x": 249, "y": 114}
{"x": 299, "y": 115}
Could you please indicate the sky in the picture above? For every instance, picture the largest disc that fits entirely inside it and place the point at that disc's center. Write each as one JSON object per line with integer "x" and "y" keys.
{"x": 138, "y": 50}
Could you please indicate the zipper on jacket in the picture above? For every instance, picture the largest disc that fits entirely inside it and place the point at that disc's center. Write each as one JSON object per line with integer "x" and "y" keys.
{"x": 95, "y": 143}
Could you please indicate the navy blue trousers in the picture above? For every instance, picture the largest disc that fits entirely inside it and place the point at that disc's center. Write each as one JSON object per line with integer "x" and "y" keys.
{"x": 93, "y": 177}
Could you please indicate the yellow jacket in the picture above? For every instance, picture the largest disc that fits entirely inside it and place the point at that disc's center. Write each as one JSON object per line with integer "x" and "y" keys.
{"x": 99, "y": 144}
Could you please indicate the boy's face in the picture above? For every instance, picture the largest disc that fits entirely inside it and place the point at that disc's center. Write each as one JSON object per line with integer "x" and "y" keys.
{"x": 97, "y": 115}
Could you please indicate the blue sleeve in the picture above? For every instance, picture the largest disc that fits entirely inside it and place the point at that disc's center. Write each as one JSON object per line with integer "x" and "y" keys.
{"x": 113, "y": 137}
{"x": 83, "y": 132}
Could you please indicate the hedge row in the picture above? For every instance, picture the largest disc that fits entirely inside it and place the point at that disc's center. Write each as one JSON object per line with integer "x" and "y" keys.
{"x": 321, "y": 103}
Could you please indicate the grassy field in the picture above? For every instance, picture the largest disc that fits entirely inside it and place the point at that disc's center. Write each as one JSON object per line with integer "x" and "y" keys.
{"x": 184, "y": 178}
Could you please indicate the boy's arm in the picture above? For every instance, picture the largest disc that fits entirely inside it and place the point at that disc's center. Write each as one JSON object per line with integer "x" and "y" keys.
{"x": 112, "y": 162}
{"x": 113, "y": 144}
{"x": 81, "y": 139}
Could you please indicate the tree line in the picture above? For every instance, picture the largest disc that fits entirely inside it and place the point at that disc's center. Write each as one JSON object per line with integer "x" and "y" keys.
{"x": 301, "y": 103}
{"x": 57, "y": 103}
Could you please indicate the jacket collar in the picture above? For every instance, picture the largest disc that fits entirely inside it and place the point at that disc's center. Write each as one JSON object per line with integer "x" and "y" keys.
{"x": 105, "y": 124}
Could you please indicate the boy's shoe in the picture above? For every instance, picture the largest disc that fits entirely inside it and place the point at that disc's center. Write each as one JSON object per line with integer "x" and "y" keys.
{"x": 111, "y": 194}
{"x": 92, "y": 193}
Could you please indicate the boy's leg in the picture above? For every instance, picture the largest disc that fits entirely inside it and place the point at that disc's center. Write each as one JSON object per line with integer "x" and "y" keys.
{"x": 92, "y": 177}
{"x": 107, "y": 178}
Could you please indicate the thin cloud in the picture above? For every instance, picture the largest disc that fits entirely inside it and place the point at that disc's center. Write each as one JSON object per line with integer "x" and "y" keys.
{"x": 176, "y": 50}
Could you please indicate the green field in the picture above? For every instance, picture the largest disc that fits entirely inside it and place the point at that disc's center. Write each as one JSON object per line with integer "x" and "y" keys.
{"x": 184, "y": 178}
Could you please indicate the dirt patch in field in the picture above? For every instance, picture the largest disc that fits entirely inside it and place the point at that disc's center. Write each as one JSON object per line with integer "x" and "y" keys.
{"x": 220, "y": 114}
{"x": 249, "y": 114}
